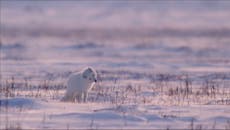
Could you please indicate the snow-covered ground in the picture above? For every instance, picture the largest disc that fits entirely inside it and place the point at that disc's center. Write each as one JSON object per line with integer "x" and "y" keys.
{"x": 160, "y": 64}
{"x": 167, "y": 103}
{"x": 30, "y": 113}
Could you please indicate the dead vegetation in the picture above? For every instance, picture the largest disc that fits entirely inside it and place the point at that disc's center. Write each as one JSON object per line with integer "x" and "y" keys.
{"x": 181, "y": 89}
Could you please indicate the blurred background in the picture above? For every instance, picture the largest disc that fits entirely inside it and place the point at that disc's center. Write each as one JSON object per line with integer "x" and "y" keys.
{"x": 42, "y": 39}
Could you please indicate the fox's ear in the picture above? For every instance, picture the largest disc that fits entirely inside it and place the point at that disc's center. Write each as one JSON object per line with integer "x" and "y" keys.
{"x": 84, "y": 74}
{"x": 89, "y": 69}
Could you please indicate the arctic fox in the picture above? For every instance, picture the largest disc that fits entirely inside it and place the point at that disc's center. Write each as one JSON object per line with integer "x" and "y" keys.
{"x": 79, "y": 84}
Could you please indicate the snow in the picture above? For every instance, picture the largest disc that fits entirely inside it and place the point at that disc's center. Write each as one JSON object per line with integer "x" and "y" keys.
{"x": 54, "y": 114}
{"x": 17, "y": 102}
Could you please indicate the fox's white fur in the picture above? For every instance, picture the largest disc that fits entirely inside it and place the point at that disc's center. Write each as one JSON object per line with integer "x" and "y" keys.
{"x": 79, "y": 84}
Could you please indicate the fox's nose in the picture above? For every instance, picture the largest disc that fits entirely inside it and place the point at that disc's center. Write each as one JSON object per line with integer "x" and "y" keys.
{"x": 95, "y": 80}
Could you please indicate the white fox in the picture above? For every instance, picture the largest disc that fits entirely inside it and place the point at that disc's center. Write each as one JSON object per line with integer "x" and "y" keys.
{"x": 79, "y": 84}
